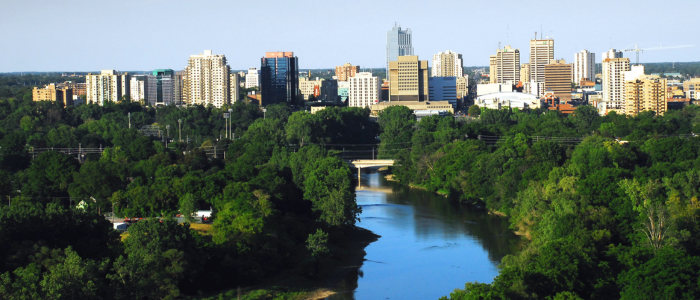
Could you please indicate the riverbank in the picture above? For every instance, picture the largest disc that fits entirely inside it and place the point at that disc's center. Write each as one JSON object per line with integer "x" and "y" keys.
{"x": 346, "y": 258}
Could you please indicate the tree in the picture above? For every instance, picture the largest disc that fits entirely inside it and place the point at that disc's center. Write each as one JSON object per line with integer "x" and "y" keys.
{"x": 317, "y": 243}
{"x": 303, "y": 128}
{"x": 396, "y": 126}
{"x": 14, "y": 156}
{"x": 188, "y": 206}
{"x": 49, "y": 176}
{"x": 95, "y": 180}
{"x": 474, "y": 110}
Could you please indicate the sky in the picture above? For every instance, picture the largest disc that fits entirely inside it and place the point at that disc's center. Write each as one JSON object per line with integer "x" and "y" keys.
{"x": 91, "y": 35}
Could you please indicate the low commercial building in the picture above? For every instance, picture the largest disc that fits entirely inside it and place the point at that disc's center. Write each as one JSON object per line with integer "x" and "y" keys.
{"x": 435, "y": 106}
{"x": 509, "y": 100}
{"x": 490, "y": 88}
{"x": 252, "y": 79}
{"x": 52, "y": 93}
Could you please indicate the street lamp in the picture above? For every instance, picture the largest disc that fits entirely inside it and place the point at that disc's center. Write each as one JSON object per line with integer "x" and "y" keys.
{"x": 129, "y": 120}
{"x": 226, "y": 117}
{"x": 179, "y": 122}
{"x": 264, "y": 111}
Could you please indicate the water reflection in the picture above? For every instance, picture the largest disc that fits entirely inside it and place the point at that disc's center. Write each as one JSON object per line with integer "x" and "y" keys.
{"x": 428, "y": 247}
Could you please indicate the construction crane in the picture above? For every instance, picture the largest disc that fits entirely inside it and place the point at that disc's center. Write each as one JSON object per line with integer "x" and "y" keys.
{"x": 637, "y": 49}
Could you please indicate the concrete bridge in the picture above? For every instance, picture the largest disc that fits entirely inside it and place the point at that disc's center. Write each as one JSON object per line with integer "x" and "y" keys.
{"x": 369, "y": 163}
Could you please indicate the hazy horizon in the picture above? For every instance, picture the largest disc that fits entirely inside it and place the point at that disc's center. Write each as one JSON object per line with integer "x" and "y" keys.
{"x": 157, "y": 34}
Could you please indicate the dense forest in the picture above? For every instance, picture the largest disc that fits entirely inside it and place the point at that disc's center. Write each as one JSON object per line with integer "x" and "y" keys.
{"x": 276, "y": 207}
{"x": 611, "y": 215}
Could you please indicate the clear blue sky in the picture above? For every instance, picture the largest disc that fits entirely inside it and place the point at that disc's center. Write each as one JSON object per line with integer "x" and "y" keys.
{"x": 87, "y": 35}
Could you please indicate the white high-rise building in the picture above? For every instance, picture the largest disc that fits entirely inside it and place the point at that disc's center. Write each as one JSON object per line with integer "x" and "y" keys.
{"x": 447, "y": 64}
{"x": 507, "y": 65}
{"x": 612, "y": 53}
{"x": 235, "y": 87}
{"x": 108, "y": 86}
{"x": 584, "y": 66}
{"x": 364, "y": 90}
{"x": 541, "y": 53}
{"x": 207, "y": 80}
{"x": 252, "y": 79}
{"x": 614, "y": 84}
{"x": 138, "y": 88}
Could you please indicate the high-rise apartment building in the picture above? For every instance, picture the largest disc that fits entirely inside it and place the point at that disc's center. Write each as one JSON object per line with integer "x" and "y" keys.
{"x": 137, "y": 88}
{"x": 447, "y": 64}
{"x": 507, "y": 65}
{"x": 541, "y": 53}
{"x": 557, "y": 77}
{"x": 344, "y": 72}
{"x": 613, "y": 84}
{"x": 279, "y": 78}
{"x": 643, "y": 94}
{"x": 52, "y": 93}
{"x": 398, "y": 43}
{"x": 206, "y": 80}
{"x": 364, "y": 90}
{"x": 584, "y": 66}
{"x": 408, "y": 79}
{"x": 525, "y": 73}
{"x": 108, "y": 86}
{"x": 252, "y": 79}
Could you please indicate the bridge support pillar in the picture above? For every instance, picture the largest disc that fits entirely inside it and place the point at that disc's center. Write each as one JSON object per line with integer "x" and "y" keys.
{"x": 359, "y": 172}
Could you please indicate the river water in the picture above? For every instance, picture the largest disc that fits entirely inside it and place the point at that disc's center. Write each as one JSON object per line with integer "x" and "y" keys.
{"x": 428, "y": 246}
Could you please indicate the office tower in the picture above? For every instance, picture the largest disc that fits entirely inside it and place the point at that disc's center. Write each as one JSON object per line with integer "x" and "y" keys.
{"x": 557, "y": 77}
{"x": 234, "y": 87}
{"x": 645, "y": 93}
{"x": 206, "y": 80}
{"x": 462, "y": 86}
{"x": 525, "y": 73}
{"x": 507, "y": 63}
{"x": 137, "y": 88}
{"x": 612, "y": 53}
{"x": 584, "y": 66}
{"x": 364, "y": 90}
{"x": 279, "y": 78}
{"x": 52, "y": 93}
{"x": 160, "y": 90}
{"x": 447, "y": 64}
{"x": 108, "y": 86}
{"x": 408, "y": 79}
{"x": 541, "y": 53}
{"x": 252, "y": 79}
{"x": 613, "y": 84}
{"x": 342, "y": 73}
{"x": 398, "y": 43}
{"x": 442, "y": 88}
{"x": 493, "y": 68}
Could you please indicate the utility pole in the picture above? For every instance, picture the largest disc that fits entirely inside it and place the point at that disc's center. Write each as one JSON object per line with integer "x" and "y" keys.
{"x": 129, "y": 120}
{"x": 230, "y": 124}
{"x": 179, "y": 122}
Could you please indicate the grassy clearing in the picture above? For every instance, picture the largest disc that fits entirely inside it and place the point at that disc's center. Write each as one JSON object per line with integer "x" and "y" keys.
{"x": 203, "y": 229}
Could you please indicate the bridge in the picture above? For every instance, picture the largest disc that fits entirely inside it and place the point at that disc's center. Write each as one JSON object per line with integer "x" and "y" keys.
{"x": 369, "y": 163}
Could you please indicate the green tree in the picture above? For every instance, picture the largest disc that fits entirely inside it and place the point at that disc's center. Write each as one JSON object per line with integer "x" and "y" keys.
{"x": 317, "y": 243}
{"x": 49, "y": 176}
{"x": 188, "y": 206}
{"x": 396, "y": 126}
{"x": 474, "y": 110}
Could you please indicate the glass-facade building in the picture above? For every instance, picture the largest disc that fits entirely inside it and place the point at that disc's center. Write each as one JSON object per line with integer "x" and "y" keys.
{"x": 161, "y": 87}
{"x": 442, "y": 89}
{"x": 398, "y": 43}
{"x": 279, "y": 78}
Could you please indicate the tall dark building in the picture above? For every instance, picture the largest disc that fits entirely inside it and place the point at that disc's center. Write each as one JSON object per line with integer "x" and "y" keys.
{"x": 161, "y": 87}
{"x": 279, "y": 78}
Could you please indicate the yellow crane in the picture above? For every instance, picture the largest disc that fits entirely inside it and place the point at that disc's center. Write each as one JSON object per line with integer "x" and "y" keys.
{"x": 637, "y": 49}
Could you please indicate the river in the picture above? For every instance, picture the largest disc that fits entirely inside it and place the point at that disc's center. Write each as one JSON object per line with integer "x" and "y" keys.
{"x": 429, "y": 245}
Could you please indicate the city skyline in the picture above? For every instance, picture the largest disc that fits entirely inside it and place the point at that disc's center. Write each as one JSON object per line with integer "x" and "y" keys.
{"x": 244, "y": 39}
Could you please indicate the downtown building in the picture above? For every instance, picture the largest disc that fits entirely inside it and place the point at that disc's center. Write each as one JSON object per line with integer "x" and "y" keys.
{"x": 643, "y": 94}
{"x": 613, "y": 83}
{"x": 408, "y": 79}
{"x": 541, "y": 53}
{"x": 160, "y": 88}
{"x": 108, "y": 86}
{"x": 206, "y": 80}
{"x": 252, "y": 79}
{"x": 279, "y": 78}
{"x": 53, "y": 93}
{"x": 505, "y": 66}
{"x": 344, "y": 72}
{"x": 447, "y": 64}
{"x": 398, "y": 43}
{"x": 584, "y": 66}
{"x": 557, "y": 78}
{"x": 137, "y": 88}
{"x": 363, "y": 90}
